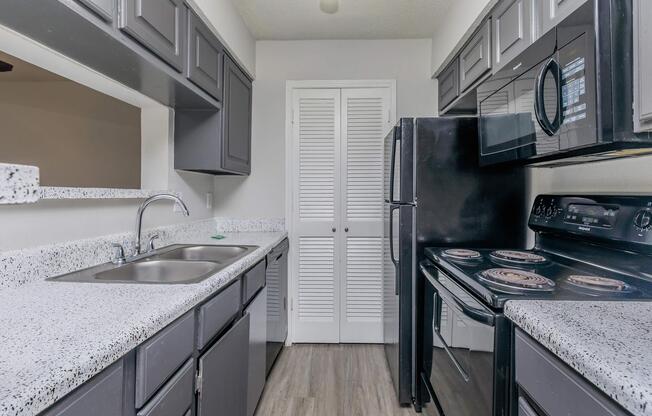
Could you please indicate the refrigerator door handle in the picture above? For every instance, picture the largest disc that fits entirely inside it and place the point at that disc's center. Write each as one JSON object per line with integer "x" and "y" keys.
{"x": 393, "y": 208}
{"x": 392, "y": 167}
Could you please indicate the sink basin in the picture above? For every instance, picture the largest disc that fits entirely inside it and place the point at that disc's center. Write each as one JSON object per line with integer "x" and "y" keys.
{"x": 176, "y": 264}
{"x": 219, "y": 254}
{"x": 160, "y": 271}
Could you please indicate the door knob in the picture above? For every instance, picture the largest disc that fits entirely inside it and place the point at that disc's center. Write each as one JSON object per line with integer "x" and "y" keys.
{"x": 334, "y": 229}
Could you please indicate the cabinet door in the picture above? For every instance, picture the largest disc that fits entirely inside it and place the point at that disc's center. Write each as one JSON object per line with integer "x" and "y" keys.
{"x": 236, "y": 154}
{"x": 205, "y": 57}
{"x": 224, "y": 369}
{"x": 257, "y": 311}
{"x": 642, "y": 65}
{"x": 512, "y": 29}
{"x": 475, "y": 58}
{"x": 103, "y": 8}
{"x": 158, "y": 25}
{"x": 449, "y": 84}
{"x": 554, "y": 11}
{"x": 101, "y": 396}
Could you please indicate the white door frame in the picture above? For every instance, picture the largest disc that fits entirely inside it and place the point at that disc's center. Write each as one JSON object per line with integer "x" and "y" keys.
{"x": 290, "y": 86}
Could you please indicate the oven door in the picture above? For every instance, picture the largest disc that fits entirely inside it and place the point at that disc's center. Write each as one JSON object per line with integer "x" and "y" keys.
{"x": 459, "y": 355}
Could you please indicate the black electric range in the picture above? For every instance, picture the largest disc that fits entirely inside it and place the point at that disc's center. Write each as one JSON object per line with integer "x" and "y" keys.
{"x": 586, "y": 248}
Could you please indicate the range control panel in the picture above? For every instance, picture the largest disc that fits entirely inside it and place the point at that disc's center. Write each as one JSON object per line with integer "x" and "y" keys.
{"x": 617, "y": 218}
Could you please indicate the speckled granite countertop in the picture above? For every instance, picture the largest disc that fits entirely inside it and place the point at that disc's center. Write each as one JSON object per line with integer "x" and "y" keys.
{"x": 609, "y": 343}
{"x": 54, "y": 336}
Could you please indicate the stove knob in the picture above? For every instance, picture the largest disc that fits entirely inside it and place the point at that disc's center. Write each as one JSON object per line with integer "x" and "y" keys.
{"x": 538, "y": 211}
{"x": 643, "y": 219}
{"x": 550, "y": 212}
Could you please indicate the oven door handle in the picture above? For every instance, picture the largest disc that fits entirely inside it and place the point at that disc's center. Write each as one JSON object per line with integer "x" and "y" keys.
{"x": 475, "y": 314}
{"x": 436, "y": 331}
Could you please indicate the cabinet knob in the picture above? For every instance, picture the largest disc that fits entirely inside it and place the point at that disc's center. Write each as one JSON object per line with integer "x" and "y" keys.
{"x": 346, "y": 230}
{"x": 334, "y": 229}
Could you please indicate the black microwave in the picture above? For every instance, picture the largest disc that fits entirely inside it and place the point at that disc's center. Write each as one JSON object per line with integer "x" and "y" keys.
{"x": 568, "y": 97}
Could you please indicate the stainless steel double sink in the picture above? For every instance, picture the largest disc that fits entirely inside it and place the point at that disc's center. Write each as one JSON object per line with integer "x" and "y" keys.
{"x": 176, "y": 264}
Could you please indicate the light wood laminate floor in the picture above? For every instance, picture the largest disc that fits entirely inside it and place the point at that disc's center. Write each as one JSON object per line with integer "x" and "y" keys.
{"x": 331, "y": 380}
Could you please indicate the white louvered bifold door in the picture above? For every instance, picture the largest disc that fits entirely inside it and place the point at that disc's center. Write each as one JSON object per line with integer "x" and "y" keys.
{"x": 316, "y": 201}
{"x": 365, "y": 123}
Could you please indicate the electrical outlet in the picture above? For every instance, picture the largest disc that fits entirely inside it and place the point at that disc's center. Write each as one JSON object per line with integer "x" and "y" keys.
{"x": 209, "y": 200}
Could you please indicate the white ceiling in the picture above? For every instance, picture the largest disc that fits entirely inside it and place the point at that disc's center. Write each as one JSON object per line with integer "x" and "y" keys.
{"x": 356, "y": 19}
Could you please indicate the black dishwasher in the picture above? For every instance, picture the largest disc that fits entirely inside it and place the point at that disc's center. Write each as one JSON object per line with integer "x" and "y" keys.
{"x": 277, "y": 294}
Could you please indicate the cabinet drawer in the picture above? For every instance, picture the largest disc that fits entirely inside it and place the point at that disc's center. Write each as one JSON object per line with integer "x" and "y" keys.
{"x": 215, "y": 314}
{"x": 475, "y": 58}
{"x": 556, "y": 388}
{"x": 158, "y": 25}
{"x": 175, "y": 398}
{"x": 448, "y": 81}
{"x": 101, "y": 396}
{"x": 105, "y": 9}
{"x": 513, "y": 30}
{"x": 254, "y": 280}
{"x": 205, "y": 57}
{"x": 159, "y": 357}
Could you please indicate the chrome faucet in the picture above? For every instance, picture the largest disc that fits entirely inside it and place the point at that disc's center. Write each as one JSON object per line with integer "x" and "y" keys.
{"x": 141, "y": 210}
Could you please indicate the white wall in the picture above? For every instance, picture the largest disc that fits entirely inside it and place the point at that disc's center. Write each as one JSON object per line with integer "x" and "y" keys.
{"x": 263, "y": 193}
{"x": 231, "y": 29}
{"x": 449, "y": 31}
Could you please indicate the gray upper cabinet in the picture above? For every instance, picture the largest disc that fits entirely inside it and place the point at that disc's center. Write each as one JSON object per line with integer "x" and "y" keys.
{"x": 236, "y": 127}
{"x": 223, "y": 369}
{"x": 103, "y": 395}
{"x": 158, "y": 25}
{"x": 449, "y": 84}
{"x": 554, "y": 11}
{"x": 642, "y": 65}
{"x": 205, "y": 57}
{"x": 475, "y": 58}
{"x": 103, "y": 8}
{"x": 513, "y": 30}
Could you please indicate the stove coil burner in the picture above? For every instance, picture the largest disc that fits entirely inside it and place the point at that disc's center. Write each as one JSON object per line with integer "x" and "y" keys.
{"x": 598, "y": 283}
{"x": 512, "y": 279}
{"x": 518, "y": 257}
{"x": 461, "y": 254}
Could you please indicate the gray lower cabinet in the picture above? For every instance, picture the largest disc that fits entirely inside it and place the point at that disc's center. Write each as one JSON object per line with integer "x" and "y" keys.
{"x": 103, "y": 395}
{"x": 158, "y": 25}
{"x": 642, "y": 65}
{"x": 217, "y": 313}
{"x": 554, "y": 11}
{"x": 176, "y": 397}
{"x": 513, "y": 30}
{"x": 546, "y": 383}
{"x": 449, "y": 84}
{"x": 205, "y": 57}
{"x": 223, "y": 369}
{"x": 257, "y": 311}
{"x": 475, "y": 58}
{"x": 105, "y": 9}
{"x": 236, "y": 128}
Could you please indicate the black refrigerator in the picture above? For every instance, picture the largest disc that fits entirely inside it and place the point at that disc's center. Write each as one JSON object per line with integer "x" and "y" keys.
{"x": 436, "y": 194}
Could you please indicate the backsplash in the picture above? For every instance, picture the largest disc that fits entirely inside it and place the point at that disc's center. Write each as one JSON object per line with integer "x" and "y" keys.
{"x": 19, "y": 184}
{"x": 18, "y": 267}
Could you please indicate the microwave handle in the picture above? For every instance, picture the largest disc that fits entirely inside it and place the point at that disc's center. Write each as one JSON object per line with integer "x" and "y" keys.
{"x": 539, "y": 99}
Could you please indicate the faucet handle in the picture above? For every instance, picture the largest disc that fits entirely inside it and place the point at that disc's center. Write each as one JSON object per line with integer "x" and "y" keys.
{"x": 150, "y": 244}
{"x": 120, "y": 257}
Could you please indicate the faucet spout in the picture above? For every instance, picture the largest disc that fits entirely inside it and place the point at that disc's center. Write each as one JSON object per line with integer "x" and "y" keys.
{"x": 141, "y": 210}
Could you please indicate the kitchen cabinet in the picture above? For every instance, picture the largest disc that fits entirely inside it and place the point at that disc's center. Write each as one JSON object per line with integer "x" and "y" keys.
{"x": 158, "y": 25}
{"x": 546, "y": 383}
{"x": 253, "y": 281}
{"x": 475, "y": 58}
{"x": 236, "y": 129}
{"x": 554, "y": 11}
{"x": 105, "y": 9}
{"x": 642, "y": 65}
{"x": 175, "y": 397}
{"x": 215, "y": 314}
{"x": 257, "y": 311}
{"x": 103, "y": 395}
{"x": 223, "y": 371}
{"x": 205, "y": 57}
{"x": 276, "y": 276}
{"x": 513, "y": 30}
{"x": 449, "y": 84}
